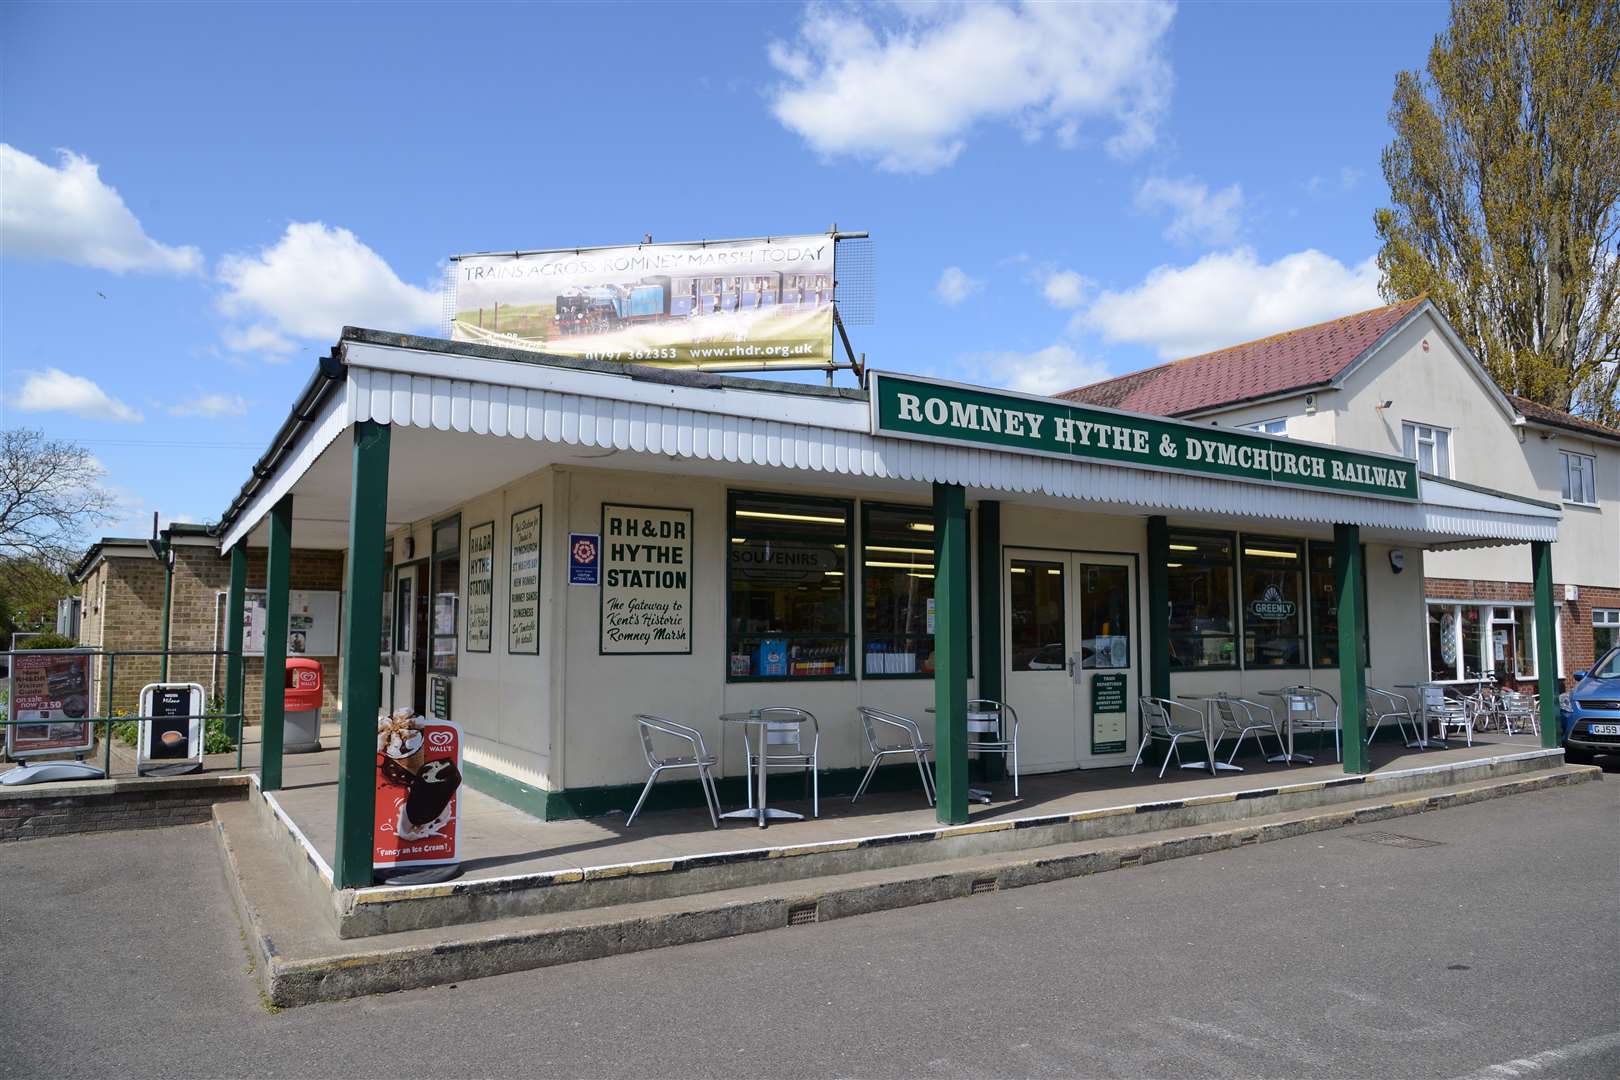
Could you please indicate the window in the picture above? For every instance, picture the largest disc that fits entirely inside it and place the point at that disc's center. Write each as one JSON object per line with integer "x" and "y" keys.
{"x": 1325, "y": 608}
{"x": 1524, "y": 655}
{"x": 897, "y": 590}
{"x": 1579, "y": 478}
{"x": 1442, "y": 642}
{"x": 446, "y": 589}
{"x": 1430, "y": 447}
{"x": 1201, "y": 625}
{"x": 1273, "y": 602}
{"x": 1038, "y": 599}
{"x": 1279, "y": 426}
{"x": 1605, "y": 630}
{"x": 788, "y": 610}
{"x": 1512, "y": 642}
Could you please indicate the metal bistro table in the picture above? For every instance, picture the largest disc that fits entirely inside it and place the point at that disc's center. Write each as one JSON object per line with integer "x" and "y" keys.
{"x": 976, "y": 722}
{"x": 1420, "y": 715}
{"x": 1216, "y": 766}
{"x": 760, "y": 812}
{"x": 1288, "y": 757}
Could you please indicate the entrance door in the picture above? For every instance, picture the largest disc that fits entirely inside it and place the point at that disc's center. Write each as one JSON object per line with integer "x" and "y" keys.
{"x": 409, "y": 666}
{"x": 1072, "y": 658}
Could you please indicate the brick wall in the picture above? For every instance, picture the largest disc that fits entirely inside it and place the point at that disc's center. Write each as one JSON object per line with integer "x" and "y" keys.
{"x": 31, "y": 813}
{"x": 131, "y": 618}
{"x": 1575, "y": 616}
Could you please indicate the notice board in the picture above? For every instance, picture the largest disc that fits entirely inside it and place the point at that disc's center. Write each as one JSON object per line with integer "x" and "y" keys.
{"x": 312, "y": 622}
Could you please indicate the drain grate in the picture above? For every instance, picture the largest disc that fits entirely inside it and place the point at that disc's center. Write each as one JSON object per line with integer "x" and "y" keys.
{"x": 1389, "y": 839}
{"x": 803, "y": 915}
{"x": 983, "y": 885}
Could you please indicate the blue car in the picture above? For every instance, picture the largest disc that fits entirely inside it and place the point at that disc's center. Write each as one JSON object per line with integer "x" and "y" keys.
{"x": 1591, "y": 711}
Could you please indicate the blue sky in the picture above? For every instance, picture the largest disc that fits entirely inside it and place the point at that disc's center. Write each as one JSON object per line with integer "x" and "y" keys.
{"x": 195, "y": 198}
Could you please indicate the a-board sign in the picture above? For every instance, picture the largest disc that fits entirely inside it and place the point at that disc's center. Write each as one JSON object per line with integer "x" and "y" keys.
{"x": 418, "y": 792}
{"x": 1108, "y": 713}
{"x": 439, "y": 697}
{"x": 49, "y": 699}
{"x": 170, "y": 732}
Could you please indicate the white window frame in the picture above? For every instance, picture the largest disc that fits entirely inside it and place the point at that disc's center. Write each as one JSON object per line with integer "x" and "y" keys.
{"x": 1277, "y": 425}
{"x": 1426, "y": 435}
{"x": 1606, "y": 619}
{"x": 1587, "y": 495}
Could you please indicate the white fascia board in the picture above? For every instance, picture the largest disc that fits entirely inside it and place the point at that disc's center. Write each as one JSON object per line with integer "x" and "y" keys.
{"x": 838, "y": 414}
{"x": 1437, "y": 492}
{"x": 315, "y": 437}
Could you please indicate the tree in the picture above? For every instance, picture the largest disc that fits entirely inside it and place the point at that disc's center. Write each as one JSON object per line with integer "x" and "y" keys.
{"x": 1505, "y": 179}
{"x": 51, "y": 496}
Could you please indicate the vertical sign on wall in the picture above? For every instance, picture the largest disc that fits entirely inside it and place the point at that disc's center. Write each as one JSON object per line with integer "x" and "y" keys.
{"x": 523, "y": 584}
{"x": 646, "y": 580}
{"x": 480, "y": 587}
{"x": 584, "y": 558}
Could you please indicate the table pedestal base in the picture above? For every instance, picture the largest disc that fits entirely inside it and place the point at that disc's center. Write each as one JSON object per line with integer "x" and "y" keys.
{"x": 1220, "y": 766}
{"x": 765, "y": 816}
{"x": 1289, "y": 759}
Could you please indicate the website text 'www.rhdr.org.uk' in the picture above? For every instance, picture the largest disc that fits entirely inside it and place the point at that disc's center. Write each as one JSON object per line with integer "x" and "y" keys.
{"x": 713, "y": 352}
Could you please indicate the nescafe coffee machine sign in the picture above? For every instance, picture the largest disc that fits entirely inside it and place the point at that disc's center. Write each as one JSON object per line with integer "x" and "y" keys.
{"x": 170, "y": 732}
{"x": 418, "y": 788}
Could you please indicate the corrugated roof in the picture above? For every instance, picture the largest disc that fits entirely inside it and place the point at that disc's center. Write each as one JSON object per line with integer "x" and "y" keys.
{"x": 1294, "y": 360}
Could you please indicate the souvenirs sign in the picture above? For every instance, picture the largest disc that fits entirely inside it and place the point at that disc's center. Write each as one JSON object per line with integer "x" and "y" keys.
{"x": 480, "y": 586}
{"x": 50, "y": 696}
{"x": 911, "y": 408}
{"x": 418, "y": 792}
{"x": 523, "y": 584}
{"x": 1108, "y": 714}
{"x": 646, "y": 580}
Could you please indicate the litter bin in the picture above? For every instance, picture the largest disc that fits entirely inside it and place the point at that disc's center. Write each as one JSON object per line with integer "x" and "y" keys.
{"x": 301, "y": 702}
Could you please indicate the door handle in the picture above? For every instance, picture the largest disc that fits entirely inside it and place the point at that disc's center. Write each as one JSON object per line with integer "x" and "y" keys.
{"x": 1071, "y": 665}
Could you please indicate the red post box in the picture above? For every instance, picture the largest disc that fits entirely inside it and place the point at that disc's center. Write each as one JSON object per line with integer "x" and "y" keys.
{"x": 301, "y": 700}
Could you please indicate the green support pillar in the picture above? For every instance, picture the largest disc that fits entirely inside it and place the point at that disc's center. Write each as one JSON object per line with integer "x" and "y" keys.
{"x": 235, "y": 600}
{"x": 1546, "y": 644}
{"x": 1347, "y": 586}
{"x": 272, "y": 714}
{"x": 1158, "y": 568}
{"x": 362, "y": 629}
{"x": 989, "y": 560}
{"x": 167, "y": 555}
{"x": 950, "y": 652}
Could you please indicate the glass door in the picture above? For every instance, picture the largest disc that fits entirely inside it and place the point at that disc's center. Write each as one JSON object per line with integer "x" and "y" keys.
{"x": 409, "y": 667}
{"x": 1072, "y": 671}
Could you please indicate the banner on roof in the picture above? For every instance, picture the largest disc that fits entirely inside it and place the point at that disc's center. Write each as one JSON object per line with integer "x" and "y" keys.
{"x": 717, "y": 304}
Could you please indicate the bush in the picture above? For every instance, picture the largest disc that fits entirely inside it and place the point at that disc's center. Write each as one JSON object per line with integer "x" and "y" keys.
{"x": 51, "y": 640}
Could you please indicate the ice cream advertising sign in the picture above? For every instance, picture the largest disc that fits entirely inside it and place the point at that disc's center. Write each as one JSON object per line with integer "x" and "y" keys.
{"x": 418, "y": 792}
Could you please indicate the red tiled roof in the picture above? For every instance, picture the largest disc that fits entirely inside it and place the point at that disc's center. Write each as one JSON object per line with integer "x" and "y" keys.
{"x": 1545, "y": 414}
{"x": 1293, "y": 360}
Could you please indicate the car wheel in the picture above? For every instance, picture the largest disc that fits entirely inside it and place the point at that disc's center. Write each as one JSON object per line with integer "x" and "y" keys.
{"x": 1574, "y": 756}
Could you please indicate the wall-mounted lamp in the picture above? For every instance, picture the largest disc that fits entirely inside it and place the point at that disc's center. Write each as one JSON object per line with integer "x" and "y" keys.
{"x": 1382, "y": 405}
{"x": 410, "y": 548}
{"x": 1397, "y": 560}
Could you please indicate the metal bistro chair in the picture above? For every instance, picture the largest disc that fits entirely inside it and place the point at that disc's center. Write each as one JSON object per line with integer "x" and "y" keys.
{"x": 1448, "y": 712}
{"x": 879, "y": 724}
{"x": 1305, "y": 712}
{"x": 993, "y": 729}
{"x": 1520, "y": 712}
{"x": 1387, "y": 705}
{"x": 784, "y": 728}
{"x": 699, "y": 759}
{"x": 1159, "y": 719}
{"x": 1240, "y": 716}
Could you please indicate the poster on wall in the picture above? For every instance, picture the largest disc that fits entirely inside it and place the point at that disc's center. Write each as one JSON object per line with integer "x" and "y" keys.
{"x": 50, "y": 696}
{"x": 765, "y": 302}
{"x": 646, "y": 580}
{"x": 312, "y": 622}
{"x": 584, "y": 558}
{"x": 523, "y": 584}
{"x": 1108, "y": 714}
{"x": 418, "y": 786}
{"x": 480, "y": 586}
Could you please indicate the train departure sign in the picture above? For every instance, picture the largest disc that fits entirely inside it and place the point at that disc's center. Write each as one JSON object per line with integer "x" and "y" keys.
{"x": 911, "y": 408}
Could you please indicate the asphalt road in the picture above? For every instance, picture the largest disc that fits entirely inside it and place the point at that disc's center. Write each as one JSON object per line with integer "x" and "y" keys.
{"x": 1327, "y": 955}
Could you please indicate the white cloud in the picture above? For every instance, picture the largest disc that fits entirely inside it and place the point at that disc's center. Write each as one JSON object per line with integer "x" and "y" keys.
{"x": 956, "y": 286}
{"x": 69, "y": 215}
{"x": 258, "y": 338}
{"x": 1197, "y": 215}
{"x": 1045, "y": 371}
{"x": 310, "y": 284}
{"x": 1065, "y": 288}
{"x": 54, "y": 390}
{"x": 905, "y": 89}
{"x": 211, "y": 405}
{"x": 1229, "y": 297}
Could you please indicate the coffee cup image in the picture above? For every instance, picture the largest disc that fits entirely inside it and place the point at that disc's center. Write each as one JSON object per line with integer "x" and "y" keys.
{"x": 172, "y": 739}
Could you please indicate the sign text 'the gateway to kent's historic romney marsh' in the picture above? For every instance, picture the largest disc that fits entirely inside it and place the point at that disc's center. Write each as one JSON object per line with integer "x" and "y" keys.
{"x": 917, "y": 408}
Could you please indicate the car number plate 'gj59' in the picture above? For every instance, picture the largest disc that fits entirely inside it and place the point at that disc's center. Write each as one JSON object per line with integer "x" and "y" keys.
{"x": 1604, "y": 729}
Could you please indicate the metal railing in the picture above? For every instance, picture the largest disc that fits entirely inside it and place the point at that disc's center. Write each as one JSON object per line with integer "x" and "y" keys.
{"x": 235, "y": 722}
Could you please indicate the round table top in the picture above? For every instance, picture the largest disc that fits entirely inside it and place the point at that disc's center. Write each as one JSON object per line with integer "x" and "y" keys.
{"x": 754, "y": 717}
